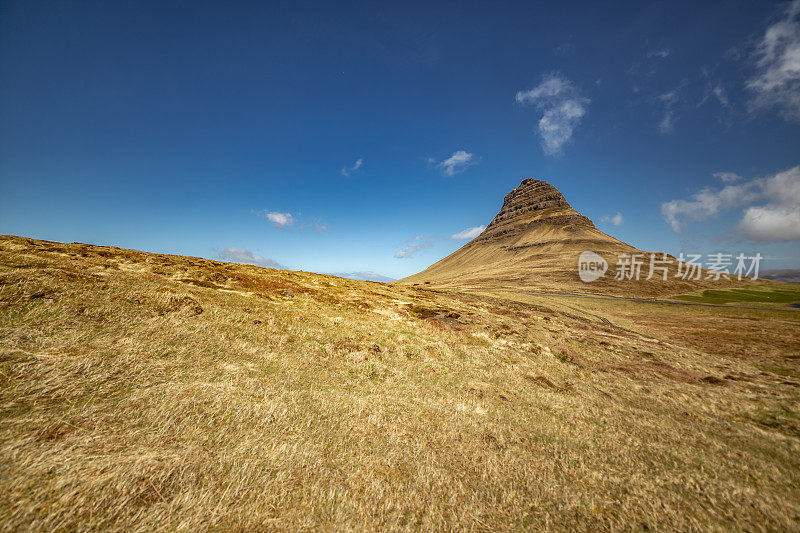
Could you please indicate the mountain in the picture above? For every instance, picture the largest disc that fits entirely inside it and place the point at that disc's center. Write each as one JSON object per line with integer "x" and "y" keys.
{"x": 786, "y": 275}
{"x": 363, "y": 276}
{"x": 534, "y": 244}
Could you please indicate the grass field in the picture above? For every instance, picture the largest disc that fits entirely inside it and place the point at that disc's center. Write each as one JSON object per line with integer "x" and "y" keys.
{"x": 145, "y": 392}
{"x": 785, "y": 294}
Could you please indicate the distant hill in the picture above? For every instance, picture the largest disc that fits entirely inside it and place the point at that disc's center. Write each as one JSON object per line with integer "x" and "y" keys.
{"x": 364, "y": 276}
{"x": 787, "y": 275}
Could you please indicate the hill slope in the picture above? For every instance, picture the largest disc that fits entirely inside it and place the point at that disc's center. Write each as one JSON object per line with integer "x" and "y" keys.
{"x": 151, "y": 392}
{"x": 533, "y": 244}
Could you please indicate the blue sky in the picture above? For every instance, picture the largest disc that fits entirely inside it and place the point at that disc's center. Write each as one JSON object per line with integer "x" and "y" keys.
{"x": 344, "y": 137}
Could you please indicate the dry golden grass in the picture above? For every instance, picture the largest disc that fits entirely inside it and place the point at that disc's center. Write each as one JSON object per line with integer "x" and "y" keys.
{"x": 144, "y": 392}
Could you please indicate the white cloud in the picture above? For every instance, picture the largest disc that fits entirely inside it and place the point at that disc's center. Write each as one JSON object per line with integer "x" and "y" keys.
{"x": 707, "y": 203}
{"x": 770, "y": 223}
{"x": 616, "y": 220}
{"x": 727, "y": 177}
{"x": 356, "y": 166}
{"x": 456, "y": 163}
{"x": 411, "y": 249}
{"x": 287, "y": 220}
{"x": 279, "y": 220}
{"x": 776, "y": 83}
{"x": 243, "y": 255}
{"x": 420, "y": 242}
{"x": 562, "y": 109}
{"x": 777, "y": 218}
{"x": 468, "y": 234}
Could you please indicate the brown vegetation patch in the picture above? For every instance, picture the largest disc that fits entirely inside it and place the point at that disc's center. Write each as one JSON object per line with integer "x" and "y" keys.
{"x": 201, "y": 283}
{"x": 179, "y": 303}
{"x": 545, "y": 382}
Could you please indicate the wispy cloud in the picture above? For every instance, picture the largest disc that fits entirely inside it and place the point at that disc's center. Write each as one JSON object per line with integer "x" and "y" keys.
{"x": 647, "y": 67}
{"x": 562, "y": 109}
{"x": 669, "y": 99}
{"x": 718, "y": 93}
{"x": 468, "y": 234}
{"x": 320, "y": 227}
{"x": 243, "y": 255}
{"x": 347, "y": 171}
{"x": 771, "y": 206}
{"x": 616, "y": 220}
{"x": 418, "y": 243}
{"x": 663, "y": 53}
{"x": 722, "y": 97}
{"x": 667, "y": 124}
{"x": 727, "y": 177}
{"x": 715, "y": 91}
{"x": 422, "y": 242}
{"x": 776, "y": 83}
{"x": 456, "y": 163}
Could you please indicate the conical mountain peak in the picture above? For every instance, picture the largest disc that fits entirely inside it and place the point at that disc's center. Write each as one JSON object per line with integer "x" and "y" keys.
{"x": 534, "y": 202}
{"x": 533, "y": 242}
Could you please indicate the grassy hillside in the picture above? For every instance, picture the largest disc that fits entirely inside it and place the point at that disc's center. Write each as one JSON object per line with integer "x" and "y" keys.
{"x": 151, "y": 392}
